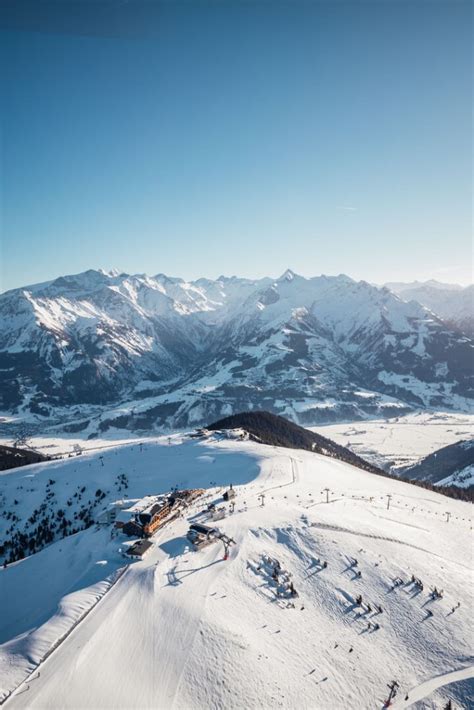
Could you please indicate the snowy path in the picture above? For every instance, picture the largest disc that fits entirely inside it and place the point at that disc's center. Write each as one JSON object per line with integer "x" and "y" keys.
{"x": 294, "y": 469}
{"x": 425, "y": 689}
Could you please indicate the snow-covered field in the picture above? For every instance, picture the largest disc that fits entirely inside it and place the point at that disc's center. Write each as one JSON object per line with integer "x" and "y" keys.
{"x": 63, "y": 444}
{"x": 401, "y": 441}
{"x": 397, "y": 441}
{"x": 186, "y": 629}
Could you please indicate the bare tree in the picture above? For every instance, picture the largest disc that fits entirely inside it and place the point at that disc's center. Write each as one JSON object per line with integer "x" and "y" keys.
{"x": 77, "y": 449}
{"x": 22, "y": 439}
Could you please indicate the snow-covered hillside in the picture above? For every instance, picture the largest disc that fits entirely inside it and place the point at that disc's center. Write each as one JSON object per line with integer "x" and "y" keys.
{"x": 462, "y": 477}
{"x": 188, "y": 629}
{"x": 452, "y": 465}
{"x": 98, "y": 350}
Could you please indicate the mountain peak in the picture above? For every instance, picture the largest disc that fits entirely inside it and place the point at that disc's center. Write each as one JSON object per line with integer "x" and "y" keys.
{"x": 288, "y": 275}
{"x": 285, "y": 345}
{"x": 112, "y": 273}
{"x": 163, "y": 278}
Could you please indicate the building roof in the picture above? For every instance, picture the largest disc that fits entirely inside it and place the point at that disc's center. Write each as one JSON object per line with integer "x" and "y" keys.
{"x": 132, "y": 528}
{"x": 203, "y": 529}
{"x": 123, "y": 516}
{"x": 140, "y": 547}
{"x": 147, "y": 515}
{"x": 124, "y": 503}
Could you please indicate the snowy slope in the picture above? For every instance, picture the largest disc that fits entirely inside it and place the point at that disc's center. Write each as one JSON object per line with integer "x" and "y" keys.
{"x": 462, "y": 477}
{"x": 188, "y": 629}
{"x": 158, "y": 353}
{"x": 450, "y": 465}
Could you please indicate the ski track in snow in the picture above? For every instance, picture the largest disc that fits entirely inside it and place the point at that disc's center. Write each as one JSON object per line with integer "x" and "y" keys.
{"x": 337, "y": 528}
{"x": 410, "y": 525}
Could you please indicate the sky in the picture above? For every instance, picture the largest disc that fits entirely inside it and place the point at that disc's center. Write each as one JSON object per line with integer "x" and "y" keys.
{"x": 208, "y": 138}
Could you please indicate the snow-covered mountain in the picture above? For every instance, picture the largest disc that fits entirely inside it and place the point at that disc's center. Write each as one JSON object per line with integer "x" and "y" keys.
{"x": 453, "y": 303}
{"x": 140, "y": 352}
{"x": 187, "y": 628}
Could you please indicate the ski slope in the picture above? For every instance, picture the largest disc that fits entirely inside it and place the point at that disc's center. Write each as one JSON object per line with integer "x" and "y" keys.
{"x": 187, "y": 629}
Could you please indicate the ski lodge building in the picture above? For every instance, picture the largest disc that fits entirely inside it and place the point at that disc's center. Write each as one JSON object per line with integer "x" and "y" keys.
{"x": 139, "y": 549}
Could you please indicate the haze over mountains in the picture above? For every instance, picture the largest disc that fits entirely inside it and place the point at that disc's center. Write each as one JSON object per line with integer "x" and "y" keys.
{"x": 455, "y": 304}
{"x": 143, "y": 352}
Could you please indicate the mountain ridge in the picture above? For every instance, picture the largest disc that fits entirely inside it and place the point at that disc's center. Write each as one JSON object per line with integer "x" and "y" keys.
{"x": 449, "y": 465}
{"x": 453, "y": 303}
{"x": 268, "y": 428}
{"x": 164, "y": 353}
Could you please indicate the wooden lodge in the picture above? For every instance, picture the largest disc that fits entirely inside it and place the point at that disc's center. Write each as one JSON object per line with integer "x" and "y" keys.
{"x": 139, "y": 549}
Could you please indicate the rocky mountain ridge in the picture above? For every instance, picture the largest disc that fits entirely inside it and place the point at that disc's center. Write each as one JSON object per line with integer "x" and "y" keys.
{"x": 453, "y": 303}
{"x": 102, "y": 349}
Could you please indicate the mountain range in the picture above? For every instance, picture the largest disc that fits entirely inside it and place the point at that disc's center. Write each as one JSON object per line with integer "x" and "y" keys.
{"x": 453, "y": 303}
{"x": 100, "y": 349}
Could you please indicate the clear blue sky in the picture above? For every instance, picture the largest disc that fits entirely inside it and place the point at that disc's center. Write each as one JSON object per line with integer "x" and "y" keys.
{"x": 236, "y": 137}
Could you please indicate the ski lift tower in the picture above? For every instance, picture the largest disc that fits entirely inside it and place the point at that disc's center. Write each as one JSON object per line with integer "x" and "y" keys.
{"x": 393, "y": 691}
{"x": 229, "y": 494}
{"x": 227, "y": 542}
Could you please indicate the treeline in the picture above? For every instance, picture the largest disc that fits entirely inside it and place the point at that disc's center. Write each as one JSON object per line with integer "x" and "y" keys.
{"x": 47, "y": 523}
{"x": 48, "y": 528}
{"x": 12, "y": 457}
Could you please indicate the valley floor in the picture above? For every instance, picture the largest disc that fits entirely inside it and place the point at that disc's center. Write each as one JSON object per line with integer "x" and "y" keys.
{"x": 186, "y": 629}
{"x": 396, "y": 442}
{"x": 402, "y": 441}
